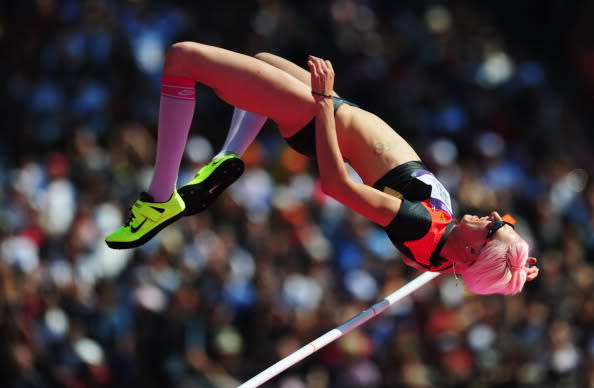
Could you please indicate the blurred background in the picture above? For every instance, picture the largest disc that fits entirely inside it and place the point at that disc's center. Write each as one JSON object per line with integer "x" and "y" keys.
{"x": 497, "y": 97}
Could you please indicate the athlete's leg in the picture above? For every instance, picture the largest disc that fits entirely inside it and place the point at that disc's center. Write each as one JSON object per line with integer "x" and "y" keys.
{"x": 245, "y": 126}
{"x": 176, "y": 111}
{"x": 162, "y": 204}
{"x": 225, "y": 167}
{"x": 244, "y": 82}
{"x": 238, "y": 79}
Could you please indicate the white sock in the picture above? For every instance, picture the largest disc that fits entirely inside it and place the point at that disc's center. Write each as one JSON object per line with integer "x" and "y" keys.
{"x": 244, "y": 128}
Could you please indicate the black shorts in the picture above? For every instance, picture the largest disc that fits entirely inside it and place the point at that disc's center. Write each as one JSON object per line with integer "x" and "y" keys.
{"x": 304, "y": 141}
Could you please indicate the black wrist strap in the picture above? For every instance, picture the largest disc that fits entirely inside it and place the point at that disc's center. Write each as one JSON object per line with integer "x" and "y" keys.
{"x": 321, "y": 94}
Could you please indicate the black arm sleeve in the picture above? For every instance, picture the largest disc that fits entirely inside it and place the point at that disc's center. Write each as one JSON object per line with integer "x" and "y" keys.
{"x": 412, "y": 222}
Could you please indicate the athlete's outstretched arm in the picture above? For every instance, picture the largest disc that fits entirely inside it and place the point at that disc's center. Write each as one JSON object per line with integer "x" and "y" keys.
{"x": 373, "y": 204}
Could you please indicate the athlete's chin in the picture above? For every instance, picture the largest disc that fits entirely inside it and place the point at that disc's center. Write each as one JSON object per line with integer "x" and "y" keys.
{"x": 469, "y": 218}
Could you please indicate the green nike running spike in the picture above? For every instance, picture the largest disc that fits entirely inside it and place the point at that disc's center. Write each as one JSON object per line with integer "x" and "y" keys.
{"x": 147, "y": 218}
{"x": 210, "y": 181}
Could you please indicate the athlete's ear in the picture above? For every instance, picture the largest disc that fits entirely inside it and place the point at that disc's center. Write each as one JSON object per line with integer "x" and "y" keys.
{"x": 470, "y": 254}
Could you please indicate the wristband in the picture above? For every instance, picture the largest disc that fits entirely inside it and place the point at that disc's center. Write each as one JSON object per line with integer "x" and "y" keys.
{"x": 321, "y": 94}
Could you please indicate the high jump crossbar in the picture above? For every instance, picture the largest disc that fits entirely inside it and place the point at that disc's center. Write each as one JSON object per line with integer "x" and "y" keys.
{"x": 340, "y": 330}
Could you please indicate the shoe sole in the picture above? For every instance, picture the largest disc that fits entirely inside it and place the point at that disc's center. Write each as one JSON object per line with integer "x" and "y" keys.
{"x": 146, "y": 237}
{"x": 197, "y": 198}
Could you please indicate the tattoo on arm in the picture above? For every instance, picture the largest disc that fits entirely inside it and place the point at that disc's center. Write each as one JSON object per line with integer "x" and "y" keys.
{"x": 381, "y": 147}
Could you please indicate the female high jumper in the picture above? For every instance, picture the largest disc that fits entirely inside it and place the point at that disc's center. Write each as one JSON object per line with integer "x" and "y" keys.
{"x": 397, "y": 191}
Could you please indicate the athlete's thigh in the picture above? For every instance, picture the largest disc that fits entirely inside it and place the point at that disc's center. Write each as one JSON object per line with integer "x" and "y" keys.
{"x": 287, "y": 66}
{"x": 245, "y": 82}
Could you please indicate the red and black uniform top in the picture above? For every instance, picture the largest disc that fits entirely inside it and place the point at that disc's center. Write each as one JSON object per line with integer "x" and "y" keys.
{"x": 425, "y": 219}
{"x": 419, "y": 231}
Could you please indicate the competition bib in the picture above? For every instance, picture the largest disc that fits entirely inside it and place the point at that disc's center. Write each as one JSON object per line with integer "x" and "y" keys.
{"x": 440, "y": 198}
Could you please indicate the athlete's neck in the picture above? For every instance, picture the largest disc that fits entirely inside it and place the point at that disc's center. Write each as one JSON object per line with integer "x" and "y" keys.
{"x": 455, "y": 249}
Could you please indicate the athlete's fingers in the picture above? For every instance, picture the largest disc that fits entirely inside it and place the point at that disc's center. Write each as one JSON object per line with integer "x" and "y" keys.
{"x": 315, "y": 65}
{"x": 532, "y": 273}
{"x": 317, "y": 84}
{"x": 313, "y": 69}
{"x": 322, "y": 75}
{"x": 320, "y": 63}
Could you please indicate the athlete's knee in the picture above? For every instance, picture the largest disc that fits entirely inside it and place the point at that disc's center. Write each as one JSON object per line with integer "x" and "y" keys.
{"x": 178, "y": 56}
{"x": 180, "y": 50}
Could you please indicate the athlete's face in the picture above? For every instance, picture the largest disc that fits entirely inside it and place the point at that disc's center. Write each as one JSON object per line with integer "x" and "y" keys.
{"x": 477, "y": 231}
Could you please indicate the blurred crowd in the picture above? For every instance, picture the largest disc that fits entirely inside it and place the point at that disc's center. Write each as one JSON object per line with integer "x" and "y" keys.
{"x": 215, "y": 298}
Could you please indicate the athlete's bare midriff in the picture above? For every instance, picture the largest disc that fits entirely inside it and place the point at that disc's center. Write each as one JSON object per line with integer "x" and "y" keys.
{"x": 369, "y": 144}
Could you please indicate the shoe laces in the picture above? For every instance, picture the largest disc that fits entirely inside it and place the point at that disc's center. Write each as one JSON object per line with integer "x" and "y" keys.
{"x": 131, "y": 216}
{"x": 144, "y": 197}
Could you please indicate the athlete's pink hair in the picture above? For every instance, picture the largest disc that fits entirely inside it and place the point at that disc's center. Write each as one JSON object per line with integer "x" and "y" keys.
{"x": 500, "y": 269}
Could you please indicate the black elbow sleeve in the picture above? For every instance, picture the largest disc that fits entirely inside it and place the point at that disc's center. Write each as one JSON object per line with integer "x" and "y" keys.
{"x": 411, "y": 223}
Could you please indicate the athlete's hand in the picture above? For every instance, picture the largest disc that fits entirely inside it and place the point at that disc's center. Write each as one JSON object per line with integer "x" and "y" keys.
{"x": 322, "y": 77}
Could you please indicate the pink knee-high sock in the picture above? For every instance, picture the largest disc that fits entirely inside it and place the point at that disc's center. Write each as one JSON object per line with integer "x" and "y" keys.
{"x": 178, "y": 99}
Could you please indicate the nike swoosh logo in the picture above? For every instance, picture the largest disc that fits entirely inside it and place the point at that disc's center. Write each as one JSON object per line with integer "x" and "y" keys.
{"x": 135, "y": 229}
{"x": 186, "y": 92}
{"x": 160, "y": 210}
